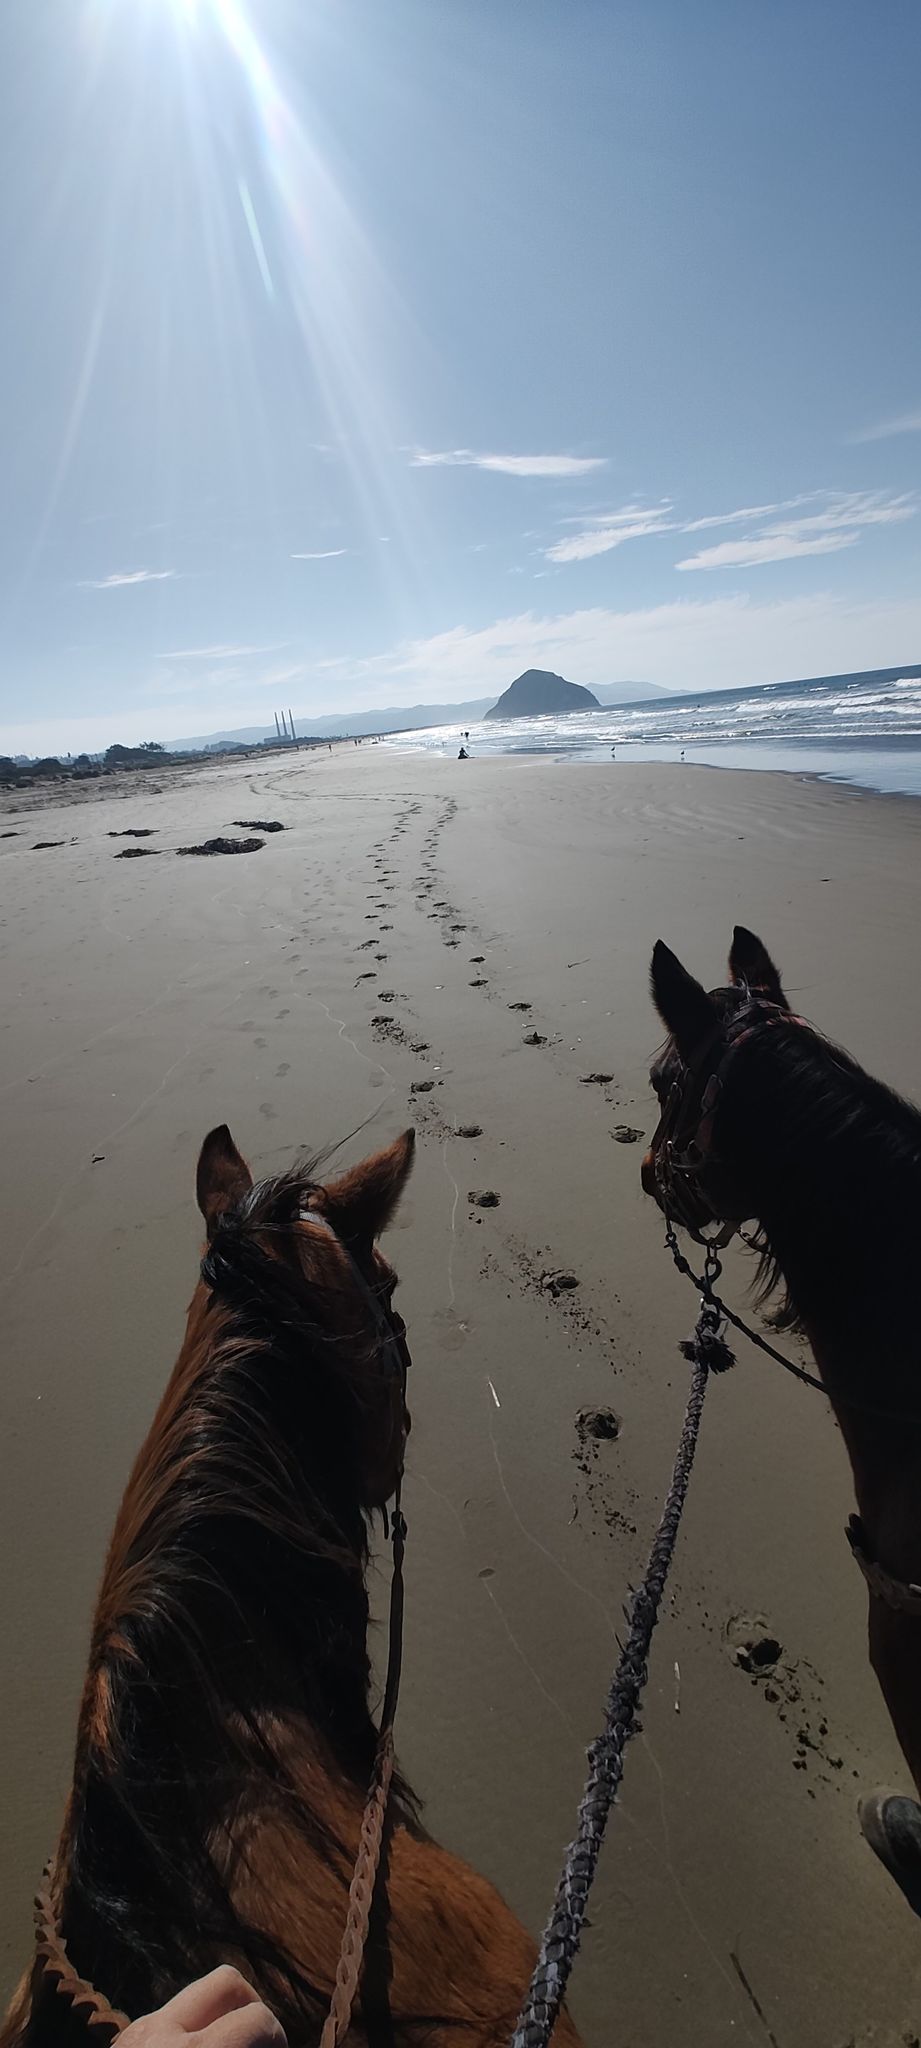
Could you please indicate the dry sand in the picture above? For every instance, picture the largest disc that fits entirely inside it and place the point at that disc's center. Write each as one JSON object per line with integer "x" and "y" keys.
{"x": 143, "y": 1001}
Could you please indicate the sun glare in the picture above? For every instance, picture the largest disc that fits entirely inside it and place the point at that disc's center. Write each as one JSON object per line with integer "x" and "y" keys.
{"x": 281, "y": 177}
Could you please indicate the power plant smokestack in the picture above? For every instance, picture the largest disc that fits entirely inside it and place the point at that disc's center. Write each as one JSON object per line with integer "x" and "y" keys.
{"x": 277, "y": 727}
{"x": 291, "y": 723}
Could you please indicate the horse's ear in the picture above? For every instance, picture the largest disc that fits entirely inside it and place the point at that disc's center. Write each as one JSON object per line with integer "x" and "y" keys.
{"x": 750, "y": 964}
{"x": 361, "y": 1202}
{"x": 223, "y": 1177}
{"x": 684, "y": 1007}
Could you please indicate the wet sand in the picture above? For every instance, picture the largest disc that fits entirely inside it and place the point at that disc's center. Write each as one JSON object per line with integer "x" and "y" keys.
{"x": 142, "y": 1001}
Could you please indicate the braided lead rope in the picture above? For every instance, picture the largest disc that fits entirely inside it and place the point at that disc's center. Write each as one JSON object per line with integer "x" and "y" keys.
{"x": 373, "y": 1820}
{"x": 563, "y": 1932}
{"x": 361, "y": 1893}
{"x": 92, "y": 2006}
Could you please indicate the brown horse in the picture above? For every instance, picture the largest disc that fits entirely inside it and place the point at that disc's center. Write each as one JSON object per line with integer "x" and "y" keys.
{"x": 225, "y": 1736}
{"x": 763, "y": 1118}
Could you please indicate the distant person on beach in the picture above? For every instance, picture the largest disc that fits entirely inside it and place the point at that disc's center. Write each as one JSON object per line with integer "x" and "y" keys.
{"x": 463, "y": 755}
{"x": 217, "y": 2011}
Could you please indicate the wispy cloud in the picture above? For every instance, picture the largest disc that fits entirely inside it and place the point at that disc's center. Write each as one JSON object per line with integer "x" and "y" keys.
{"x": 121, "y": 577}
{"x": 746, "y": 512}
{"x": 319, "y": 555}
{"x": 507, "y": 465}
{"x": 838, "y": 525}
{"x": 835, "y": 525}
{"x": 906, "y": 423}
{"x": 221, "y": 652}
{"x": 609, "y": 530}
{"x": 772, "y": 547}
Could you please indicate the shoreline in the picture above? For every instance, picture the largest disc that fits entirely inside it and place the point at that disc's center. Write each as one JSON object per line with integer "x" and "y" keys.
{"x": 571, "y": 758}
{"x": 48, "y": 794}
{"x": 384, "y": 961}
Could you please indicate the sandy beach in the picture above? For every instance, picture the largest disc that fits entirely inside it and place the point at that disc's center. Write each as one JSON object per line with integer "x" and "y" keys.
{"x": 384, "y": 961}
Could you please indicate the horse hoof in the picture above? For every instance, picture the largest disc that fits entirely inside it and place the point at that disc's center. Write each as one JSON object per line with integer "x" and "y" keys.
{"x": 892, "y": 1826}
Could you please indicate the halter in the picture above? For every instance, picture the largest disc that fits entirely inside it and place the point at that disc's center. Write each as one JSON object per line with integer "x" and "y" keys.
{"x": 682, "y": 1144}
{"x": 103, "y": 2020}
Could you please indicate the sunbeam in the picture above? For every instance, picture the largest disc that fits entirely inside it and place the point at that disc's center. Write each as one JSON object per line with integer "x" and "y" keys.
{"x": 313, "y": 252}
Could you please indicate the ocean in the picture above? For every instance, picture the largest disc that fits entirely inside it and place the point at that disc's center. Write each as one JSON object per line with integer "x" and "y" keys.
{"x": 863, "y": 729}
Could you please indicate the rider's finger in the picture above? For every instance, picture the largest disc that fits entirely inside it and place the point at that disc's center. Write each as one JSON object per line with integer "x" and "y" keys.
{"x": 210, "y": 1998}
{"x": 252, "y": 2026}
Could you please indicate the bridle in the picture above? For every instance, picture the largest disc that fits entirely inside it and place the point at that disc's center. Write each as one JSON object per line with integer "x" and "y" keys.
{"x": 682, "y": 1143}
{"x": 50, "y": 1947}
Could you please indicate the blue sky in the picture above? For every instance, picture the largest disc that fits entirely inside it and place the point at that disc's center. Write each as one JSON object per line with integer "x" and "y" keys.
{"x": 360, "y": 352}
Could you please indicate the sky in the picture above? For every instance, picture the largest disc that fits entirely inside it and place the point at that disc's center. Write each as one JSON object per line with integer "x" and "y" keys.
{"x": 366, "y": 352}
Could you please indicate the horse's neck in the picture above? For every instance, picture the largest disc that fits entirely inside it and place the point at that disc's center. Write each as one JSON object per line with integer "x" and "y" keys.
{"x": 839, "y": 1205}
{"x": 231, "y": 1634}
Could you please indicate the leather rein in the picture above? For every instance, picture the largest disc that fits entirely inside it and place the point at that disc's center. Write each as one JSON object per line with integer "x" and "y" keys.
{"x": 683, "y": 1149}
{"x": 50, "y": 1947}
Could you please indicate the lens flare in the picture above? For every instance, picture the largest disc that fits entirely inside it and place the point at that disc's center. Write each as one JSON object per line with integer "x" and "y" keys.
{"x": 312, "y": 253}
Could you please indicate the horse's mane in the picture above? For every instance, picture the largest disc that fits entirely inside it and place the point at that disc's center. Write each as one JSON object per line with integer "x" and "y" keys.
{"x": 861, "y": 1137}
{"x": 233, "y": 1612}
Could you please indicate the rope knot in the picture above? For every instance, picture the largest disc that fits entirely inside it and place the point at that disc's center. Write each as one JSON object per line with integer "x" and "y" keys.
{"x": 708, "y": 1346}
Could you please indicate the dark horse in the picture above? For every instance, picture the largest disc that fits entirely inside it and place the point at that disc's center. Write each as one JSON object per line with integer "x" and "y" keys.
{"x": 763, "y": 1118}
{"x": 225, "y": 1738}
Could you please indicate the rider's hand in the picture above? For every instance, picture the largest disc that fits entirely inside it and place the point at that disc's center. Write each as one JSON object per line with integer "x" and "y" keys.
{"x": 217, "y": 2011}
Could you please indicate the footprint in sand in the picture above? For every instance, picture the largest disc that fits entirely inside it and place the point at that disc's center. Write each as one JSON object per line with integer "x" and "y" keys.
{"x": 469, "y": 1131}
{"x": 369, "y": 975}
{"x": 260, "y": 1042}
{"x": 284, "y": 1069}
{"x": 519, "y": 1006}
{"x": 486, "y": 1198}
{"x": 266, "y": 1110}
{"x": 533, "y": 1038}
{"x": 480, "y": 982}
{"x": 477, "y": 959}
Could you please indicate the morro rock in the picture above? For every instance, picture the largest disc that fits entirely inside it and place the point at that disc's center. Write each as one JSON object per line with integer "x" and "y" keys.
{"x": 538, "y": 693}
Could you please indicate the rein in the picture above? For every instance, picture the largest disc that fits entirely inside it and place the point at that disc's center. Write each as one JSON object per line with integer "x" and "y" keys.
{"x": 563, "y": 1932}
{"x": 50, "y": 1948}
{"x": 374, "y": 1817}
{"x": 51, "y": 1952}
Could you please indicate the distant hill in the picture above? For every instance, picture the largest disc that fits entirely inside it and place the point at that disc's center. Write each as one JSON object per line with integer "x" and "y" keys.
{"x": 539, "y": 692}
{"x": 395, "y": 718}
{"x": 348, "y": 724}
{"x": 630, "y": 693}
